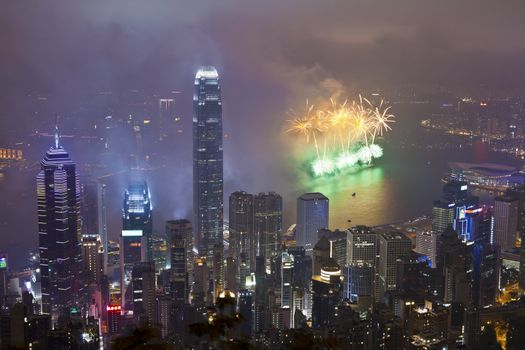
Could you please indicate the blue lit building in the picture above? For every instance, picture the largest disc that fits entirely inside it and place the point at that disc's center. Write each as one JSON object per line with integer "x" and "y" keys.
{"x": 207, "y": 161}
{"x": 312, "y": 215}
{"x": 58, "y": 195}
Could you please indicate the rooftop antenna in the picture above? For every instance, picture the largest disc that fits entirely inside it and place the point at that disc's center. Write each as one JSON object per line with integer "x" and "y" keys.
{"x": 57, "y": 133}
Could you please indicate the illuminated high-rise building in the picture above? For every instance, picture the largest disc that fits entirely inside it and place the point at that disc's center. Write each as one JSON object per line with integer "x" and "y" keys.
{"x": 207, "y": 161}
{"x": 426, "y": 244}
{"x": 179, "y": 233}
{"x": 361, "y": 264}
{"x": 143, "y": 286}
{"x": 505, "y": 222}
{"x": 268, "y": 226}
{"x": 442, "y": 216}
{"x": 92, "y": 257}
{"x": 312, "y": 215}
{"x": 135, "y": 240}
{"x": 58, "y": 193}
{"x": 392, "y": 246}
{"x": 241, "y": 223}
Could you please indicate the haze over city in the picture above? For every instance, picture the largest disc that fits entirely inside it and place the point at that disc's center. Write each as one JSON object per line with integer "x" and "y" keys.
{"x": 385, "y": 112}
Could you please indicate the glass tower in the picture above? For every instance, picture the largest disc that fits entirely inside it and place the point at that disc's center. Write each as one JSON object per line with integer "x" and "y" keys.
{"x": 312, "y": 215}
{"x": 58, "y": 193}
{"x": 136, "y": 238}
{"x": 207, "y": 161}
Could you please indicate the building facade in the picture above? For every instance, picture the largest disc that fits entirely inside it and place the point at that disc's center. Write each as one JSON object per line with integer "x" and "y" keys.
{"x": 58, "y": 195}
{"x": 207, "y": 161}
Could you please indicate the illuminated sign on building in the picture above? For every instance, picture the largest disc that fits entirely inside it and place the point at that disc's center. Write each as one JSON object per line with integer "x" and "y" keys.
{"x": 131, "y": 233}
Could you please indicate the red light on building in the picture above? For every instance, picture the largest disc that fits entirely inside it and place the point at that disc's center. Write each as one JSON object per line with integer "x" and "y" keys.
{"x": 113, "y": 308}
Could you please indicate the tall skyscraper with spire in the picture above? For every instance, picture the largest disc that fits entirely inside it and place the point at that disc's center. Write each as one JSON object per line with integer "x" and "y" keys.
{"x": 207, "y": 161}
{"x": 58, "y": 196}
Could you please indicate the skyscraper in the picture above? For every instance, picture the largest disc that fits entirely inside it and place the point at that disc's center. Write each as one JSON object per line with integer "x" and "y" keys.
{"x": 58, "y": 193}
{"x": 92, "y": 257}
{"x": 392, "y": 246}
{"x": 241, "y": 227}
{"x": 268, "y": 225}
{"x": 207, "y": 161}
{"x": 505, "y": 222}
{"x": 426, "y": 244}
{"x": 312, "y": 215}
{"x": 179, "y": 233}
{"x": 143, "y": 286}
{"x": 361, "y": 264}
{"x": 137, "y": 213}
{"x": 135, "y": 240}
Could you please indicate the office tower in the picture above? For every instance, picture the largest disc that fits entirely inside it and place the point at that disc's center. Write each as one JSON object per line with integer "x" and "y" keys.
{"x": 114, "y": 319}
{"x": 137, "y": 214}
{"x": 184, "y": 227}
{"x": 58, "y": 193}
{"x": 268, "y": 225}
{"x": 143, "y": 286}
{"x": 207, "y": 161}
{"x": 218, "y": 270}
{"x": 178, "y": 232}
{"x": 361, "y": 264}
{"x": 426, "y": 244}
{"x": 245, "y": 306}
{"x": 89, "y": 199}
{"x": 231, "y": 274}
{"x": 485, "y": 259}
{"x": 486, "y": 268}
{"x": 455, "y": 263}
{"x": 338, "y": 244}
{"x": 135, "y": 239}
{"x": 241, "y": 220}
{"x": 321, "y": 255}
{"x": 103, "y": 220}
{"x": 164, "y": 311}
{"x": 413, "y": 277}
{"x": 166, "y": 117}
{"x": 392, "y": 246}
{"x": 201, "y": 292}
{"x": 301, "y": 283}
{"x": 312, "y": 215}
{"x": 287, "y": 264}
{"x": 326, "y": 294}
{"x": 92, "y": 257}
{"x": 442, "y": 216}
{"x": 362, "y": 246}
{"x": 262, "y": 318}
{"x": 506, "y": 222}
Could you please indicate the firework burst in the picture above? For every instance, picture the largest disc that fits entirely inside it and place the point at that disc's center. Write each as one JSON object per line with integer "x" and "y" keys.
{"x": 344, "y": 135}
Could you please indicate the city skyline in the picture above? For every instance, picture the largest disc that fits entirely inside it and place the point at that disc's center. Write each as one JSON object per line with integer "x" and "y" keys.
{"x": 337, "y": 175}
